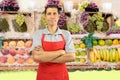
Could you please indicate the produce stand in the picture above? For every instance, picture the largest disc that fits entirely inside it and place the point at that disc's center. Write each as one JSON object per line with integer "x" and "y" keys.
{"x": 33, "y": 21}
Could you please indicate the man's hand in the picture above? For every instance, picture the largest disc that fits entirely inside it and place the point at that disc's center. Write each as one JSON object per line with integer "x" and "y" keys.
{"x": 37, "y": 50}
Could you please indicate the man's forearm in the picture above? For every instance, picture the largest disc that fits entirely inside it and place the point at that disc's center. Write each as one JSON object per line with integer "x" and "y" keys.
{"x": 64, "y": 58}
{"x": 46, "y": 56}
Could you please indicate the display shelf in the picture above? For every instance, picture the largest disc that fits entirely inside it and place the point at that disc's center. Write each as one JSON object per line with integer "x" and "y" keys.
{"x": 69, "y": 67}
{"x": 100, "y": 35}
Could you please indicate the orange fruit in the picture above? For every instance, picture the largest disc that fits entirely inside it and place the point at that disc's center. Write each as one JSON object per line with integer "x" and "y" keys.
{"x": 115, "y": 41}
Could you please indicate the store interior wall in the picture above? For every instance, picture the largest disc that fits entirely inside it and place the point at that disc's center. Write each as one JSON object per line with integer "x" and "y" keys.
{"x": 39, "y": 4}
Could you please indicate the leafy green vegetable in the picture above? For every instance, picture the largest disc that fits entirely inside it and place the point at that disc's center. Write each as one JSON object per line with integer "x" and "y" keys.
{"x": 89, "y": 39}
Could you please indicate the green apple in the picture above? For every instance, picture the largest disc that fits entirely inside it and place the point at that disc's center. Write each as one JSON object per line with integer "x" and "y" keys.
{"x": 77, "y": 53}
{"x": 108, "y": 42}
{"x": 77, "y": 60}
{"x": 83, "y": 53}
{"x": 76, "y": 46}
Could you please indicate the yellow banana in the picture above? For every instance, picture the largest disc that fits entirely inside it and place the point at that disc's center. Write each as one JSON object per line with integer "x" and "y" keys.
{"x": 110, "y": 53}
{"x": 96, "y": 53}
{"x": 107, "y": 55}
{"x": 101, "y": 54}
{"x": 118, "y": 52}
{"x": 104, "y": 55}
{"x": 92, "y": 56}
{"x": 117, "y": 56}
{"x": 98, "y": 59}
{"x": 113, "y": 54}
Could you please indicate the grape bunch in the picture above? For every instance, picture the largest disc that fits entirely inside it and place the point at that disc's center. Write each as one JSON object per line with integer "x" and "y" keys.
{"x": 11, "y": 4}
{"x": 74, "y": 28}
{"x": 62, "y": 21}
{"x": 92, "y": 5}
{"x": 43, "y": 21}
{"x": 98, "y": 19}
{"x": 83, "y": 5}
{"x": 53, "y": 2}
{"x": 84, "y": 18}
{"x": 19, "y": 19}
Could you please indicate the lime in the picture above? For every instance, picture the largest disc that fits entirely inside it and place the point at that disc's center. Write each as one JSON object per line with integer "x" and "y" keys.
{"x": 95, "y": 42}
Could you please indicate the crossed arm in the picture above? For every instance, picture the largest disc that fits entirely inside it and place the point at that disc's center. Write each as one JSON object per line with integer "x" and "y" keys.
{"x": 58, "y": 56}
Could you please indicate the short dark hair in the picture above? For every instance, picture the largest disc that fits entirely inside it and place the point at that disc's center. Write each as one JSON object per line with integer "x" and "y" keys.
{"x": 53, "y": 6}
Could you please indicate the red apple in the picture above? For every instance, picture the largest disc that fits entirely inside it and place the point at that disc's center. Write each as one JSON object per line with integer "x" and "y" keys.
{"x": 5, "y": 51}
{"x": 12, "y": 51}
{"x": 21, "y": 52}
{"x": 28, "y": 44}
{"x": 3, "y": 59}
{"x": 29, "y": 60}
{"x": 11, "y": 60}
{"x": 20, "y": 60}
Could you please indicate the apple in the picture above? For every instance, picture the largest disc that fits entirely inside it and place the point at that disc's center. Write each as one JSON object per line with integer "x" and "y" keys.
{"x": 3, "y": 59}
{"x": 29, "y": 60}
{"x": 12, "y": 51}
{"x": 21, "y": 51}
{"x": 28, "y": 44}
{"x": 20, "y": 43}
{"x": 20, "y": 60}
{"x": 5, "y": 51}
{"x": 11, "y": 60}
{"x": 5, "y": 44}
{"x": 12, "y": 43}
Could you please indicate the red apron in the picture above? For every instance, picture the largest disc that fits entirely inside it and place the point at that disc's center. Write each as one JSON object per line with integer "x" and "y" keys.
{"x": 52, "y": 71}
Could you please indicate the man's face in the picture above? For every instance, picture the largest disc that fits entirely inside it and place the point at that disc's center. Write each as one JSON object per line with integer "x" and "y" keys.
{"x": 52, "y": 16}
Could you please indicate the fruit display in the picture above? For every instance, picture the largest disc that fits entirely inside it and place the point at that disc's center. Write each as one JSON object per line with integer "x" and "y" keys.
{"x": 19, "y": 23}
{"x": 15, "y": 52}
{"x": 105, "y": 55}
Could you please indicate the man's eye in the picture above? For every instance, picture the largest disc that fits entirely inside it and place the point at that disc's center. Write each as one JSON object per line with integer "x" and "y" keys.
{"x": 48, "y": 13}
{"x": 54, "y": 13}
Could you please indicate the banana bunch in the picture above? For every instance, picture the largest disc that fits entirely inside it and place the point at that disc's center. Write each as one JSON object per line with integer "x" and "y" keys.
{"x": 108, "y": 55}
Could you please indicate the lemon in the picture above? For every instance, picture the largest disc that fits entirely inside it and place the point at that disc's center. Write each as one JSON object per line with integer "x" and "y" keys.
{"x": 101, "y": 42}
{"x": 82, "y": 45}
{"x": 82, "y": 60}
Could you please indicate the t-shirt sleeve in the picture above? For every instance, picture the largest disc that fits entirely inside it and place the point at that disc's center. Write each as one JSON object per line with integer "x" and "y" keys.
{"x": 69, "y": 47}
{"x": 36, "y": 39}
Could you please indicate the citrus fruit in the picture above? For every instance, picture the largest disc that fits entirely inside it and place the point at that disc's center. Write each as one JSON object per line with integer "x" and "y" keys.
{"x": 115, "y": 42}
{"x": 101, "y": 42}
{"x": 82, "y": 45}
{"x": 82, "y": 60}
{"x": 95, "y": 42}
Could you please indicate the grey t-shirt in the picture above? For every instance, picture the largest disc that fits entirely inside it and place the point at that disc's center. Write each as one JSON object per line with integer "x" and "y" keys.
{"x": 69, "y": 47}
